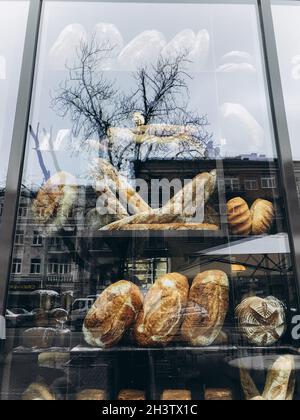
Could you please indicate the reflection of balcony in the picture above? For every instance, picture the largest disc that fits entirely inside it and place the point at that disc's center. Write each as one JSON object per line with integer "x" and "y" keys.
{"x": 56, "y": 279}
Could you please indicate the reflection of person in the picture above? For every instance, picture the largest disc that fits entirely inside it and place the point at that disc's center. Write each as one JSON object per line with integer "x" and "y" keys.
{"x": 138, "y": 119}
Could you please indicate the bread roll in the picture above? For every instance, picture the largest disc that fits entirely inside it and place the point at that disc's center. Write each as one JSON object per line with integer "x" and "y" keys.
{"x": 239, "y": 217}
{"x": 278, "y": 379}
{"x": 102, "y": 171}
{"x": 91, "y": 395}
{"x": 176, "y": 395}
{"x": 165, "y": 227}
{"x": 248, "y": 385}
{"x": 38, "y": 391}
{"x": 262, "y": 321}
{"x": 262, "y": 213}
{"x": 207, "y": 308}
{"x": 112, "y": 314}
{"x": 161, "y": 316}
{"x": 55, "y": 200}
{"x": 41, "y": 338}
{"x": 131, "y": 395}
{"x": 218, "y": 395}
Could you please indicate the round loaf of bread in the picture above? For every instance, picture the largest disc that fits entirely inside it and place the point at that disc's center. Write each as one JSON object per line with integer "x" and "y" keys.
{"x": 207, "y": 308}
{"x": 161, "y": 316}
{"x": 262, "y": 321}
{"x": 239, "y": 217}
{"x": 112, "y": 314}
{"x": 262, "y": 213}
{"x": 37, "y": 391}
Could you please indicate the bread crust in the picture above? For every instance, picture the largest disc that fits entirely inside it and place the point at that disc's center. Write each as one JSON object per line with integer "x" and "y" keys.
{"x": 207, "y": 308}
{"x": 91, "y": 395}
{"x": 239, "y": 216}
{"x": 162, "y": 227}
{"x": 263, "y": 214}
{"x": 278, "y": 387}
{"x": 218, "y": 394}
{"x": 112, "y": 314}
{"x": 176, "y": 395}
{"x": 160, "y": 319}
{"x": 37, "y": 391}
{"x": 131, "y": 395}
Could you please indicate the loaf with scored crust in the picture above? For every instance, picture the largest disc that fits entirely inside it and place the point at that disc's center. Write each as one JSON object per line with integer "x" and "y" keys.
{"x": 239, "y": 217}
{"x": 262, "y": 213}
{"x": 112, "y": 314}
{"x": 160, "y": 319}
{"x": 207, "y": 308}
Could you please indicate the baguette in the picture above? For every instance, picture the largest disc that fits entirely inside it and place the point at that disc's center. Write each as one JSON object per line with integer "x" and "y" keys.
{"x": 104, "y": 171}
{"x": 207, "y": 308}
{"x": 163, "y": 227}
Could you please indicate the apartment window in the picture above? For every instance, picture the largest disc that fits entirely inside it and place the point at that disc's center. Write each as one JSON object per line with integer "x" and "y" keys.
{"x": 37, "y": 238}
{"x": 35, "y": 266}
{"x": 19, "y": 240}
{"x": 232, "y": 184}
{"x": 59, "y": 268}
{"x": 23, "y": 211}
{"x": 56, "y": 242}
{"x": 268, "y": 182}
{"x": 17, "y": 266}
{"x": 251, "y": 184}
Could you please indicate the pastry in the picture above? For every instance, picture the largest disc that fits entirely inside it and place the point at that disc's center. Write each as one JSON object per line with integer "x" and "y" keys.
{"x": 239, "y": 217}
{"x": 279, "y": 384}
{"x": 189, "y": 201}
{"x": 263, "y": 214}
{"x": 131, "y": 395}
{"x": 160, "y": 319}
{"x": 112, "y": 314}
{"x": 218, "y": 395}
{"x": 164, "y": 227}
{"x": 91, "y": 395}
{"x": 207, "y": 308}
{"x": 55, "y": 200}
{"x": 41, "y": 338}
{"x": 248, "y": 385}
{"x": 176, "y": 395}
{"x": 107, "y": 175}
{"x": 262, "y": 321}
{"x": 36, "y": 392}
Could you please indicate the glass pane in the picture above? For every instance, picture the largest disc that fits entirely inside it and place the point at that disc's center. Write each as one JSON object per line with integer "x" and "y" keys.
{"x": 151, "y": 175}
{"x": 13, "y": 19}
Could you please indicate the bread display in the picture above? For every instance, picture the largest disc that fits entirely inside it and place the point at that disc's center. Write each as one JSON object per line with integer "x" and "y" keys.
{"x": 218, "y": 395}
{"x": 160, "y": 319}
{"x": 131, "y": 395}
{"x": 41, "y": 338}
{"x": 207, "y": 308}
{"x": 262, "y": 213}
{"x": 176, "y": 395}
{"x": 38, "y": 392}
{"x": 91, "y": 395}
{"x": 112, "y": 314}
{"x": 53, "y": 360}
{"x": 239, "y": 217}
{"x": 280, "y": 383}
{"x": 55, "y": 200}
{"x": 163, "y": 227}
{"x": 262, "y": 321}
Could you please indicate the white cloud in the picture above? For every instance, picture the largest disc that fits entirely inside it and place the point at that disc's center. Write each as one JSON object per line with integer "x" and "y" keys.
{"x": 143, "y": 49}
{"x": 237, "y": 61}
{"x": 234, "y": 67}
{"x": 64, "y": 48}
{"x": 108, "y": 35}
{"x": 2, "y": 67}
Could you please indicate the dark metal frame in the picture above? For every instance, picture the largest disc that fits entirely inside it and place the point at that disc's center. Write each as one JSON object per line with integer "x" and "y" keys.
{"x": 16, "y": 162}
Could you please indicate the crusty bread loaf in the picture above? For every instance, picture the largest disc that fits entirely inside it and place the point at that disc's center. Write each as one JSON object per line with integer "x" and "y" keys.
{"x": 176, "y": 395}
{"x": 161, "y": 316}
{"x": 55, "y": 200}
{"x": 218, "y": 394}
{"x": 239, "y": 217}
{"x": 53, "y": 360}
{"x": 102, "y": 171}
{"x": 37, "y": 391}
{"x": 262, "y": 321}
{"x": 131, "y": 395}
{"x": 153, "y": 218}
{"x": 278, "y": 379}
{"x": 262, "y": 213}
{"x": 193, "y": 197}
{"x": 41, "y": 338}
{"x": 112, "y": 314}
{"x": 248, "y": 385}
{"x": 258, "y": 398}
{"x": 163, "y": 227}
{"x": 207, "y": 308}
{"x": 91, "y": 395}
